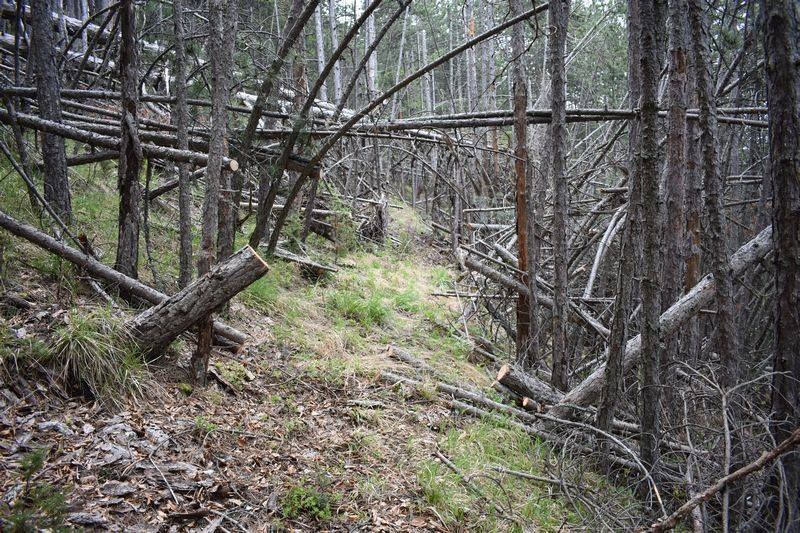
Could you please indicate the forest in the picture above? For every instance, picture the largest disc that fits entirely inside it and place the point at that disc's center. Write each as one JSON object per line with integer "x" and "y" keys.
{"x": 400, "y": 265}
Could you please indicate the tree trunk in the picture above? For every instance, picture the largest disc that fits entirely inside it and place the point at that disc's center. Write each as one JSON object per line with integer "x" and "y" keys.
{"x": 56, "y": 183}
{"x": 647, "y": 166}
{"x": 130, "y": 149}
{"x": 155, "y": 328}
{"x": 675, "y": 167}
{"x": 558, "y": 15}
{"x": 527, "y": 340}
{"x": 337, "y": 68}
{"x": 716, "y": 236}
{"x": 320, "y": 42}
{"x": 181, "y": 123}
{"x": 219, "y": 11}
{"x": 528, "y": 386}
{"x": 782, "y": 49}
{"x": 612, "y": 372}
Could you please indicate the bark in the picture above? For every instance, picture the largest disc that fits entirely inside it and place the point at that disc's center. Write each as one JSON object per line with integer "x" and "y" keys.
{"x": 400, "y": 58}
{"x": 670, "y": 320}
{"x": 337, "y": 68}
{"x": 130, "y": 150}
{"x": 230, "y": 191}
{"x": 56, "y": 183}
{"x": 675, "y": 179}
{"x": 157, "y": 327}
{"x": 320, "y": 42}
{"x": 528, "y": 386}
{"x": 180, "y": 114}
{"x": 647, "y": 167}
{"x": 558, "y": 20}
{"x": 219, "y": 11}
{"x": 716, "y": 234}
{"x": 101, "y": 271}
{"x": 782, "y": 50}
{"x": 527, "y": 339}
{"x": 609, "y": 385}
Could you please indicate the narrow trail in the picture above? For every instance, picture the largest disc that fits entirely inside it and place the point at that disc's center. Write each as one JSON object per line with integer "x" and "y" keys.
{"x": 297, "y": 431}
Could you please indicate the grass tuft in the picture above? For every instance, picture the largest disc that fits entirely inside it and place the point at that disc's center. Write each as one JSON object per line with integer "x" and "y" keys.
{"x": 95, "y": 354}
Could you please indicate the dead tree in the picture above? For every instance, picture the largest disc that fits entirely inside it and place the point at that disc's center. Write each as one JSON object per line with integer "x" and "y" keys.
{"x": 527, "y": 340}
{"x": 558, "y": 19}
{"x": 48, "y": 81}
{"x": 219, "y": 11}
{"x": 781, "y": 48}
{"x": 180, "y": 113}
{"x": 130, "y": 149}
{"x": 716, "y": 236}
{"x": 675, "y": 170}
{"x": 647, "y": 167}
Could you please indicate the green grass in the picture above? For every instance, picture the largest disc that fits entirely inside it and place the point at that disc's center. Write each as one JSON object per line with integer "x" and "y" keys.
{"x": 95, "y": 354}
{"x": 304, "y": 500}
{"x": 39, "y": 506}
{"x": 474, "y": 449}
{"x": 370, "y": 310}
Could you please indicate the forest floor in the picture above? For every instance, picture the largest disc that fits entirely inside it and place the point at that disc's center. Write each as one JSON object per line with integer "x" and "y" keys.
{"x": 296, "y": 432}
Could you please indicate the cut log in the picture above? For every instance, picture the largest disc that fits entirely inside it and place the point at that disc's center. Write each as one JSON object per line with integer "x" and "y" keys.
{"x": 101, "y": 271}
{"x": 155, "y": 328}
{"x": 686, "y": 307}
{"x": 528, "y": 386}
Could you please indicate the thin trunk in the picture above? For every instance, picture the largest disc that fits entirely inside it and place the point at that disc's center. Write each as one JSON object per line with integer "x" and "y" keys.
{"x": 181, "y": 123}
{"x": 320, "y": 38}
{"x": 781, "y": 48}
{"x": 130, "y": 150}
{"x": 716, "y": 234}
{"x": 56, "y": 182}
{"x": 527, "y": 341}
{"x": 558, "y": 20}
{"x": 337, "y": 67}
{"x": 614, "y": 368}
{"x": 219, "y": 11}
{"x": 399, "y": 68}
{"x": 675, "y": 168}
{"x": 651, "y": 302}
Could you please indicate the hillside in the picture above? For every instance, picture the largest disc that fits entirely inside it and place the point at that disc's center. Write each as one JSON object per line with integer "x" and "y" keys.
{"x": 301, "y": 430}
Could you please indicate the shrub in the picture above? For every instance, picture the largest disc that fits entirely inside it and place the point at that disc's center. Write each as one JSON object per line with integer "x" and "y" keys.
{"x": 39, "y": 506}
{"x": 306, "y": 501}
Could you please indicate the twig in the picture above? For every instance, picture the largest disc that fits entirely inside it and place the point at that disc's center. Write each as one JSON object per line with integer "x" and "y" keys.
{"x": 766, "y": 458}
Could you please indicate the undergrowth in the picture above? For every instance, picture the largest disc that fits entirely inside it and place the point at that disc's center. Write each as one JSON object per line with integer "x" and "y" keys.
{"x": 38, "y": 505}
{"x": 95, "y": 354}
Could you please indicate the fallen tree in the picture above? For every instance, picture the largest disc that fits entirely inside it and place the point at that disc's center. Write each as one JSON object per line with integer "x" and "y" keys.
{"x": 99, "y": 270}
{"x": 155, "y": 328}
{"x": 670, "y": 320}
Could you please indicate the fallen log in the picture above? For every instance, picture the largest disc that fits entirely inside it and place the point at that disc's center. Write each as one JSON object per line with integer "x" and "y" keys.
{"x": 686, "y": 307}
{"x": 158, "y": 326}
{"x": 576, "y": 314}
{"x": 96, "y": 157}
{"x": 99, "y": 270}
{"x": 316, "y": 269}
{"x": 528, "y": 386}
{"x": 95, "y": 139}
